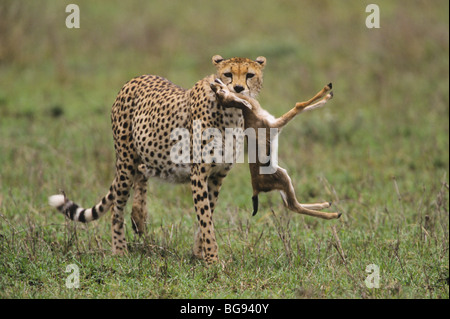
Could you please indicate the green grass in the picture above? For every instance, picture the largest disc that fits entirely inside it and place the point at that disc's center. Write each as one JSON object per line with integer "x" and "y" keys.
{"x": 378, "y": 150}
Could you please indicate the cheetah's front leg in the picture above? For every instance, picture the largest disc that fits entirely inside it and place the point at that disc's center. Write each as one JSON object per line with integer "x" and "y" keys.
{"x": 214, "y": 185}
{"x": 205, "y": 245}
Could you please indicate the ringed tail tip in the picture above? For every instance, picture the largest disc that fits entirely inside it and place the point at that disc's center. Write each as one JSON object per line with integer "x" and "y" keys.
{"x": 57, "y": 200}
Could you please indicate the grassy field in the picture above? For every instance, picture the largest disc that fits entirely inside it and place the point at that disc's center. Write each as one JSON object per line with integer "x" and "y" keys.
{"x": 379, "y": 150}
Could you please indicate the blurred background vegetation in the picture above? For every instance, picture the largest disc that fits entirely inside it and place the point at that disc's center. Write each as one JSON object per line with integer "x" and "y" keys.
{"x": 379, "y": 149}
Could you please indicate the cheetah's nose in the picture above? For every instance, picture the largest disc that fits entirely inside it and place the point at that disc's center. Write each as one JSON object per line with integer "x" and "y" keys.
{"x": 238, "y": 88}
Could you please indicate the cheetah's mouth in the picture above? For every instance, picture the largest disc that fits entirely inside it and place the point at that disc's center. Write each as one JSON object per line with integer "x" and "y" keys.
{"x": 245, "y": 92}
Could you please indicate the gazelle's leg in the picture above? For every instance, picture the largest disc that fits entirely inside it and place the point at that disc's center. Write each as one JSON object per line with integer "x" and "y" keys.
{"x": 304, "y": 106}
{"x": 284, "y": 183}
{"x": 325, "y": 89}
{"x": 318, "y": 104}
{"x": 316, "y": 206}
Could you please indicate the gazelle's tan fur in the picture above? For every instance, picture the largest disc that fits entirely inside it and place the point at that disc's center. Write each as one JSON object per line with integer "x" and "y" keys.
{"x": 256, "y": 117}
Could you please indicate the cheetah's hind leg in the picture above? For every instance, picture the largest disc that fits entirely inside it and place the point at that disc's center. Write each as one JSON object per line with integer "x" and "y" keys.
{"x": 139, "y": 208}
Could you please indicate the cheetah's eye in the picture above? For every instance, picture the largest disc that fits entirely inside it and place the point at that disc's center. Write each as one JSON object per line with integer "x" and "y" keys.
{"x": 228, "y": 74}
{"x": 250, "y": 75}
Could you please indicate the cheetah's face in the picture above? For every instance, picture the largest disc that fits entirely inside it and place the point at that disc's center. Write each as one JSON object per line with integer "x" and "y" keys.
{"x": 241, "y": 75}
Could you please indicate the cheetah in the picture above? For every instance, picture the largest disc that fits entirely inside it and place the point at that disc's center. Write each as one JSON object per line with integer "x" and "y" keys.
{"x": 146, "y": 111}
{"x": 256, "y": 117}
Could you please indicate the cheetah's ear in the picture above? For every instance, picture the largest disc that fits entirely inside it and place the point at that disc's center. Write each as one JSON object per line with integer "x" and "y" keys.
{"x": 217, "y": 59}
{"x": 262, "y": 61}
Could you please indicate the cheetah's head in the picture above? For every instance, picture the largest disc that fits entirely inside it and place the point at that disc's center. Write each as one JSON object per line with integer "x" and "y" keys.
{"x": 241, "y": 75}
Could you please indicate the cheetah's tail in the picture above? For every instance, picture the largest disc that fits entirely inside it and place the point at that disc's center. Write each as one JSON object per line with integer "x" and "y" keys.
{"x": 75, "y": 212}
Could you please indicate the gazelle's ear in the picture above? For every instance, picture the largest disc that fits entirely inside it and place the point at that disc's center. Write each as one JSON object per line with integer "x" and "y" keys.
{"x": 217, "y": 59}
{"x": 262, "y": 61}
